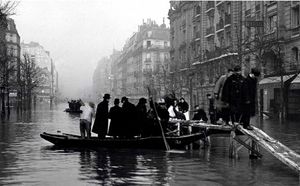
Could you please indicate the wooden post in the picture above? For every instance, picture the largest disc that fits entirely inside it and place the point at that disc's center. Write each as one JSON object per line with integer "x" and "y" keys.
{"x": 254, "y": 147}
{"x": 232, "y": 146}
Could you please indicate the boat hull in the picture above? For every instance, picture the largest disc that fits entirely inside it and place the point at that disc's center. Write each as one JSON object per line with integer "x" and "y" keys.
{"x": 156, "y": 142}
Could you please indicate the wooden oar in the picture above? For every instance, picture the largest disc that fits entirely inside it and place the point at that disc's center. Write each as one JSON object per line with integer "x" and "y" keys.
{"x": 157, "y": 118}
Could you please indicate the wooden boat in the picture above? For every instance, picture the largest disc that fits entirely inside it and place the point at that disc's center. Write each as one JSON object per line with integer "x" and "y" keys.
{"x": 73, "y": 111}
{"x": 154, "y": 142}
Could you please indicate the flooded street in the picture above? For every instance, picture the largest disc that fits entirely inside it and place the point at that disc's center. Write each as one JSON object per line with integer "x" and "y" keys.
{"x": 27, "y": 159}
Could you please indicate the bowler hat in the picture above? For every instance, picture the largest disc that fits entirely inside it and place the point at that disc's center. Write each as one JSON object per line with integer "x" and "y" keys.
{"x": 124, "y": 99}
{"x": 106, "y": 96}
{"x": 237, "y": 68}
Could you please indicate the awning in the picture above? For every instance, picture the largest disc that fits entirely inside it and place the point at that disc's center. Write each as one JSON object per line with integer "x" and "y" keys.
{"x": 273, "y": 82}
{"x": 295, "y": 84}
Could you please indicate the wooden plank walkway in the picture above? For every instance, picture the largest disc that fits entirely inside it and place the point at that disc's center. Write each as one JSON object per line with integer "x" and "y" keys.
{"x": 277, "y": 149}
{"x": 256, "y": 136}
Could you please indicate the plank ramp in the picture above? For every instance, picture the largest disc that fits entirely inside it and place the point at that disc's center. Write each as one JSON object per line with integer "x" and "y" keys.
{"x": 203, "y": 125}
{"x": 277, "y": 149}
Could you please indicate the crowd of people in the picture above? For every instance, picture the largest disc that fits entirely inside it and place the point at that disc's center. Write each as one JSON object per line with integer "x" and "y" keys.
{"x": 235, "y": 96}
{"x": 129, "y": 120}
{"x": 233, "y": 101}
{"x": 74, "y": 105}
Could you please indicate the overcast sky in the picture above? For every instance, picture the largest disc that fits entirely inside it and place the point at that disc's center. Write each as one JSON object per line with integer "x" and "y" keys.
{"x": 78, "y": 33}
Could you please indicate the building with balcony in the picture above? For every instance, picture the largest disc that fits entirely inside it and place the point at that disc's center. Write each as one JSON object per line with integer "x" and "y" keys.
{"x": 101, "y": 78}
{"x": 207, "y": 37}
{"x": 203, "y": 45}
{"x": 13, "y": 51}
{"x": 142, "y": 63}
{"x": 279, "y": 60}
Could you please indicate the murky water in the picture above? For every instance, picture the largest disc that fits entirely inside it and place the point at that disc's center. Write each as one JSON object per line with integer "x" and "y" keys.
{"x": 26, "y": 159}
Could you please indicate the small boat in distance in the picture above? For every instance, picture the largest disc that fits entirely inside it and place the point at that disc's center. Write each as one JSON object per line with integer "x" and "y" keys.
{"x": 74, "y": 106}
{"x": 152, "y": 142}
{"x": 73, "y": 111}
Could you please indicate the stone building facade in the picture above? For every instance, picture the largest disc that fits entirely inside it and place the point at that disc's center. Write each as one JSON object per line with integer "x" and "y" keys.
{"x": 203, "y": 36}
{"x": 207, "y": 37}
{"x": 48, "y": 90}
{"x": 143, "y": 63}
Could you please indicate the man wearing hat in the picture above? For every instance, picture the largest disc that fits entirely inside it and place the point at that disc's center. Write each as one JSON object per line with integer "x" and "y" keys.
{"x": 101, "y": 120}
{"x": 249, "y": 109}
{"x": 129, "y": 115}
{"x": 235, "y": 93}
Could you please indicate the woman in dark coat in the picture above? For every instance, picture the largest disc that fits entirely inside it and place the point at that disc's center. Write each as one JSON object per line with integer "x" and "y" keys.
{"x": 101, "y": 120}
{"x": 114, "y": 114}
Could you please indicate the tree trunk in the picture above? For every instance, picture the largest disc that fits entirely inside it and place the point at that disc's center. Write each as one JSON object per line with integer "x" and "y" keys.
{"x": 8, "y": 102}
{"x": 3, "y": 102}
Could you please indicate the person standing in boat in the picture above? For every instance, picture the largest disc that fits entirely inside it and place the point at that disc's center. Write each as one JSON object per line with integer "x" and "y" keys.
{"x": 128, "y": 115}
{"x": 86, "y": 119}
{"x": 183, "y": 107}
{"x": 141, "y": 115}
{"x": 101, "y": 120}
{"x": 249, "y": 109}
{"x": 114, "y": 114}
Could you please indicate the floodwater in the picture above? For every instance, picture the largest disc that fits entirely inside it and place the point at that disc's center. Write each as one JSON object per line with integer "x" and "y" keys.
{"x": 26, "y": 159}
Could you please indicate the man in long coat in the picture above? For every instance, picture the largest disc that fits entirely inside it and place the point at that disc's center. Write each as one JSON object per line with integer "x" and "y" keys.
{"x": 235, "y": 92}
{"x": 249, "y": 110}
{"x": 129, "y": 118}
{"x": 115, "y": 115}
{"x": 101, "y": 120}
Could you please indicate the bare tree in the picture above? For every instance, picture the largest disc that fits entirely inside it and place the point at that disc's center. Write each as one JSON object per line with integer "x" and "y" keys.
{"x": 7, "y": 9}
{"x": 31, "y": 76}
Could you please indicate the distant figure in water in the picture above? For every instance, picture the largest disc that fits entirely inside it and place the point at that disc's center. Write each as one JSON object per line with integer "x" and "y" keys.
{"x": 86, "y": 119}
{"x": 101, "y": 120}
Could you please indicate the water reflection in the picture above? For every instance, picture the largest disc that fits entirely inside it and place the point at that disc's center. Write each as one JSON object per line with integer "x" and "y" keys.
{"x": 26, "y": 159}
{"x": 116, "y": 167}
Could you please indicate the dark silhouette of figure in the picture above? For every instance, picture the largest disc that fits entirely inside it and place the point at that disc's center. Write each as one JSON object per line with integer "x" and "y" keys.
{"x": 249, "y": 109}
{"x": 114, "y": 114}
{"x": 235, "y": 93}
{"x": 141, "y": 115}
{"x": 101, "y": 120}
{"x": 183, "y": 106}
{"x": 211, "y": 109}
{"x": 200, "y": 114}
{"x": 129, "y": 118}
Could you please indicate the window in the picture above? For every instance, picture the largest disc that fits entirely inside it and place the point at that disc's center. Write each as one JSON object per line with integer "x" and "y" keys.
{"x": 148, "y": 44}
{"x": 295, "y": 16}
{"x": 198, "y": 10}
{"x": 271, "y": 24}
{"x": 165, "y": 43}
{"x": 295, "y": 54}
{"x": 148, "y": 57}
{"x": 228, "y": 38}
{"x": 228, "y": 8}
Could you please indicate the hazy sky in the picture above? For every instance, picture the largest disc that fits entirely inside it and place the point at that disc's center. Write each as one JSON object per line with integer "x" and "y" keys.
{"x": 79, "y": 32}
